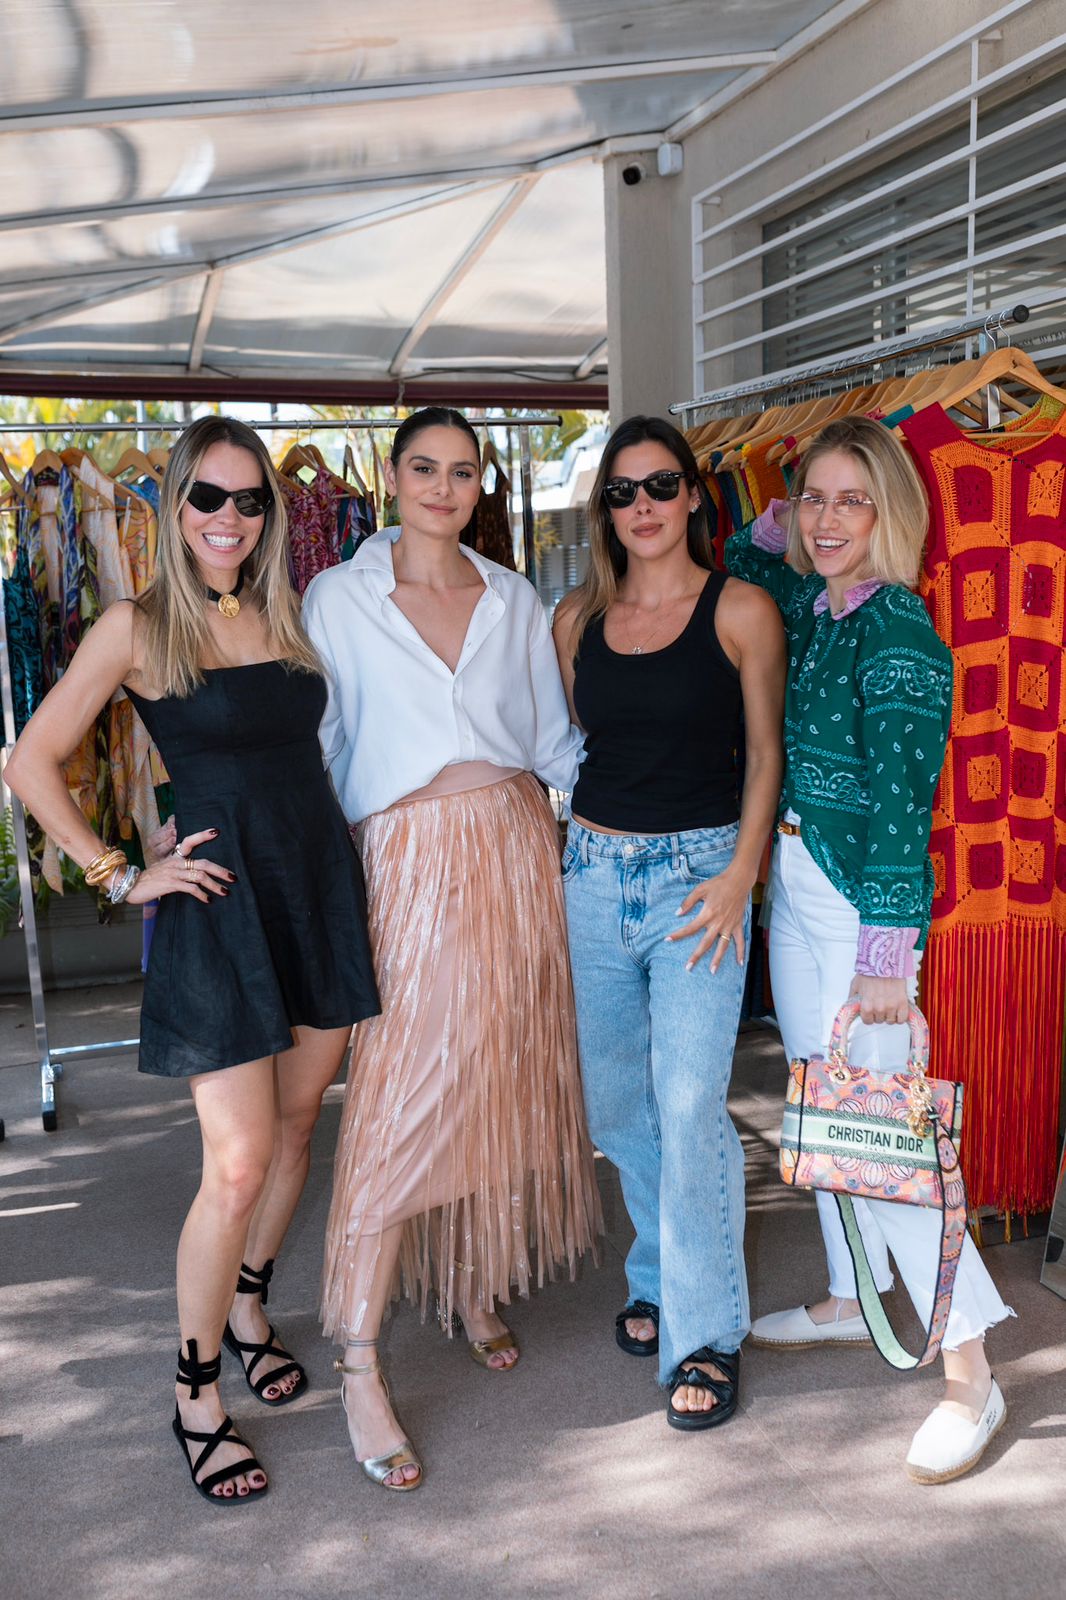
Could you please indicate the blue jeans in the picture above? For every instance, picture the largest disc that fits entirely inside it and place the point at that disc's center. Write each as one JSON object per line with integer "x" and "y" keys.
{"x": 656, "y": 1046}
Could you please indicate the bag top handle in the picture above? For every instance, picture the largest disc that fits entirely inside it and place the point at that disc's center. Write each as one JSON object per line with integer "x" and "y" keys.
{"x": 849, "y": 1013}
{"x": 917, "y": 1063}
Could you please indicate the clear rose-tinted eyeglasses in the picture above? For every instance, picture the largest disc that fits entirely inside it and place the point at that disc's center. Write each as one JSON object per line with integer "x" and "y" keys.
{"x": 844, "y": 505}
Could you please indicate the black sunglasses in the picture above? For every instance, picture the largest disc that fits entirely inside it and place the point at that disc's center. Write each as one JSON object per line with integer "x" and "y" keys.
{"x": 618, "y": 492}
{"x": 210, "y": 497}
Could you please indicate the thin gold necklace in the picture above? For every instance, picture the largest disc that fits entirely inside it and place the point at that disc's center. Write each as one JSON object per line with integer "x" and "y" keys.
{"x": 641, "y": 649}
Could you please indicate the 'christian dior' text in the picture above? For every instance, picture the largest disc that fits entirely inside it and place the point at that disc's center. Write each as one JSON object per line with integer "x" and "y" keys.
{"x": 875, "y": 1138}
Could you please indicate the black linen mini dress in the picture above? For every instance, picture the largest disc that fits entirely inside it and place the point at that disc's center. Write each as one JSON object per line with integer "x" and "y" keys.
{"x": 228, "y": 981}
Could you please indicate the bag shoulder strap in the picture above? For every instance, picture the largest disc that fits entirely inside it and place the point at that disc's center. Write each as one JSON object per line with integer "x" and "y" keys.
{"x": 952, "y": 1237}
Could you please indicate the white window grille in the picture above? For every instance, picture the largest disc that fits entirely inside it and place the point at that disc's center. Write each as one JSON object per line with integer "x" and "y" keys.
{"x": 965, "y": 212}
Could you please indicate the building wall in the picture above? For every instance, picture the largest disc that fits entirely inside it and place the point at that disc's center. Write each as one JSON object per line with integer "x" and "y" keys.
{"x": 649, "y": 226}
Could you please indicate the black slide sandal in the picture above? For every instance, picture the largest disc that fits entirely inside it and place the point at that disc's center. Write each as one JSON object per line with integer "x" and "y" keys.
{"x": 624, "y": 1341}
{"x": 726, "y": 1390}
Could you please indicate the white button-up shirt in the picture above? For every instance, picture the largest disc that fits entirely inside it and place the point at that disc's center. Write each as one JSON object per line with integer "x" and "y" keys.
{"x": 397, "y": 715}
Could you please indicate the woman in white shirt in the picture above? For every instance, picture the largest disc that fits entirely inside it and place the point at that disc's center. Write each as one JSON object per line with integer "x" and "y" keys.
{"x": 462, "y": 1150}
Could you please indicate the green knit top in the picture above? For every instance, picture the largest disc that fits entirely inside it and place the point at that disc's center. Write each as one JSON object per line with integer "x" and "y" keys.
{"x": 867, "y": 712}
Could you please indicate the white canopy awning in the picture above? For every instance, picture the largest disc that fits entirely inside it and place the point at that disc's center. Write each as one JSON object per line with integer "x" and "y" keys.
{"x": 367, "y": 192}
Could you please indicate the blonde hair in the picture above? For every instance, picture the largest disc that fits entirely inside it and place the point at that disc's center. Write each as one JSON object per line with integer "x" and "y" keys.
{"x": 608, "y": 560}
{"x": 175, "y": 634}
{"x": 897, "y": 540}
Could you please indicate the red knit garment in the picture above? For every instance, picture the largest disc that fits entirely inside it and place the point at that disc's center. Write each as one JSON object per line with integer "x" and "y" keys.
{"x": 994, "y": 974}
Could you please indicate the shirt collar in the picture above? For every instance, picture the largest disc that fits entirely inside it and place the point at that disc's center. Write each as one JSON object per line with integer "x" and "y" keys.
{"x": 374, "y": 555}
{"x": 853, "y": 598}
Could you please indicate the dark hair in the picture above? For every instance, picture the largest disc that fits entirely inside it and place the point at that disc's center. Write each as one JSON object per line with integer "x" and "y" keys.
{"x": 430, "y": 417}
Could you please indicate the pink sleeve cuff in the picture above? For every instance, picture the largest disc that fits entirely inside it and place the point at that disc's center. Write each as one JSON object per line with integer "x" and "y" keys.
{"x": 769, "y": 531}
{"x": 886, "y": 952}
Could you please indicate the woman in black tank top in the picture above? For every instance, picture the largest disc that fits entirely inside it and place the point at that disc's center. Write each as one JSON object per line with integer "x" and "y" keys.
{"x": 664, "y": 659}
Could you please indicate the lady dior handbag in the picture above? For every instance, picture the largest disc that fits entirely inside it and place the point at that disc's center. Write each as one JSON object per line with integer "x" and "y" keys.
{"x": 867, "y": 1135}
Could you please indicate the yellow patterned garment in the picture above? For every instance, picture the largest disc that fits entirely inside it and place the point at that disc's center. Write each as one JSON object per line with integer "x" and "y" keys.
{"x": 122, "y": 569}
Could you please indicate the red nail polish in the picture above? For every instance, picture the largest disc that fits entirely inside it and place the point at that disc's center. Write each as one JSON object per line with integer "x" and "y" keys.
{"x": 212, "y": 833}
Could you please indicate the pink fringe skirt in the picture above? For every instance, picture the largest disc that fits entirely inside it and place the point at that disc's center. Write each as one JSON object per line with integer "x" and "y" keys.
{"x": 463, "y": 1119}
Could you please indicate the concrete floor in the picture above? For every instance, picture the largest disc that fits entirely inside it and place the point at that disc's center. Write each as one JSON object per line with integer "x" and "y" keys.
{"x": 561, "y": 1479}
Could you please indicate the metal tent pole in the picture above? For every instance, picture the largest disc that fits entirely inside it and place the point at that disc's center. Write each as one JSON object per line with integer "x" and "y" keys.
{"x": 526, "y": 465}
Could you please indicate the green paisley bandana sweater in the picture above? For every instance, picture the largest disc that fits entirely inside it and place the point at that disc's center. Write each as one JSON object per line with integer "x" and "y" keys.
{"x": 867, "y": 712}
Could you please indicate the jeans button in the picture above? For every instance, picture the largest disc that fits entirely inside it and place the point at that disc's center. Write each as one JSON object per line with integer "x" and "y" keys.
{"x": 627, "y": 849}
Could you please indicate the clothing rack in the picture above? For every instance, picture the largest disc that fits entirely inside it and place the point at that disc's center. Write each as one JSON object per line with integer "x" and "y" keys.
{"x": 50, "y": 1059}
{"x": 986, "y": 329}
{"x": 877, "y": 360}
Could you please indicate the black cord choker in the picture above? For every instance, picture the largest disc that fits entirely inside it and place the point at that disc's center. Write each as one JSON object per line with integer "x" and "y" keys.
{"x": 228, "y": 604}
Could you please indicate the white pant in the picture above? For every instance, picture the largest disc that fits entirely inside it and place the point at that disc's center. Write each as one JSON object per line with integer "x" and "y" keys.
{"x": 814, "y": 932}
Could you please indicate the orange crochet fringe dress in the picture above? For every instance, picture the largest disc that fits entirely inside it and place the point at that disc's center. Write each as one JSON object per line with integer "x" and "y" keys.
{"x": 994, "y": 973}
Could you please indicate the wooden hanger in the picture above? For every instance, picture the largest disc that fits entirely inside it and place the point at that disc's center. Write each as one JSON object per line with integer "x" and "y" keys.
{"x": 159, "y": 456}
{"x": 297, "y": 458}
{"x": 798, "y": 420}
{"x": 490, "y": 458}
{"x": 135, "y": 460}
{"x": 769, "y": 422}
{"x": 813, "y": 416}
{"x": 708, "y": 433}
{"x": 6, "y": 472}
{"x": 47, "y": 461}
{"x": 1008, "y": 362}
{"x": 350, "y": 471}
{"x": 886, "y": 396}
{"x": 303, "y": 458}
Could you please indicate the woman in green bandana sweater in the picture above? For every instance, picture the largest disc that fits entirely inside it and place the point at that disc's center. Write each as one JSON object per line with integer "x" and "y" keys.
{"x": 867, "y": 712}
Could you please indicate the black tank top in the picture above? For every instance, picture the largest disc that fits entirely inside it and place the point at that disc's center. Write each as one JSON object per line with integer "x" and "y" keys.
{"x": 662, "y": 729}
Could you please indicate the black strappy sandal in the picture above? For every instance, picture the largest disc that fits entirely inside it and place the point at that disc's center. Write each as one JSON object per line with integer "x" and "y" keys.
{"x": 253, "y": 1282}
{"x": 625, "y": 1341}
{"x": 195, "y": 1373}
{"x": 726, "y": 1390}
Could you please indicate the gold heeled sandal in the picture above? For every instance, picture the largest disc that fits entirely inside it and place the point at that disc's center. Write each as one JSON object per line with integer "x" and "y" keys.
{"x": 379, "y": 1468}
{"x": 482, "y": 1349}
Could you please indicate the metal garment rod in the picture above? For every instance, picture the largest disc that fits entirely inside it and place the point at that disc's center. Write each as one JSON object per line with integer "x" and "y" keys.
{"x": 852, "y": 360}
{"x": 49, "y": 1060}
{"x": 341, "y": 426}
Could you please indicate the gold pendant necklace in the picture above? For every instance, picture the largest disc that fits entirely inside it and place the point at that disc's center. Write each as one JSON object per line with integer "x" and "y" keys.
{"x": 639, "y": 649}
{"x": 228, "y": 604}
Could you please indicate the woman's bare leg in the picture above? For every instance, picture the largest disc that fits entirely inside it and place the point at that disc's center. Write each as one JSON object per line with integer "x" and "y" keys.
{"x": 302, "y": 1076}
{"x": 372, "y": 1425}
{"x": 235, "y": 1108}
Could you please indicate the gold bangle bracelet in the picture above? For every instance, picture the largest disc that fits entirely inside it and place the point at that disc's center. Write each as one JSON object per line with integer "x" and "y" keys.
{"x": 104, "y": 866}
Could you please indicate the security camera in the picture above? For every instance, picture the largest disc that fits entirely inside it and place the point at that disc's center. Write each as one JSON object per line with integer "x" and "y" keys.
{"x": 634, "y": 172}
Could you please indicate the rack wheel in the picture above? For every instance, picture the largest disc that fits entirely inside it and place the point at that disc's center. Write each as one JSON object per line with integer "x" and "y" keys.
{"x": 50, "y": 1121}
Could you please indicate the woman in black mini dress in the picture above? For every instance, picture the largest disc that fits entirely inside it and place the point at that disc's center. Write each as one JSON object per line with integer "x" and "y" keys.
{"x": 260, "y": 962}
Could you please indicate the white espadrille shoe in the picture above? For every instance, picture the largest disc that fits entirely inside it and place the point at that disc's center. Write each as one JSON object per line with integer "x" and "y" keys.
{"x": 946, "y": 1445}
{"x": 794, "y": 1330}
